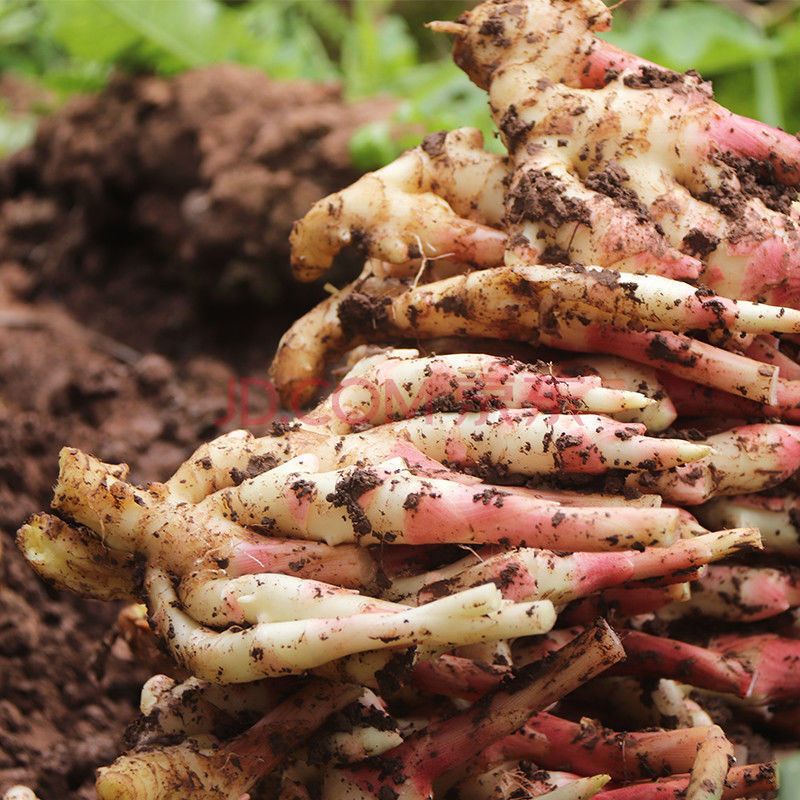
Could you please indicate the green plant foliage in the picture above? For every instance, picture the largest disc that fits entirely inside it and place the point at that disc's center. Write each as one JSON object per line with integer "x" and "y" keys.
{"x": 380, "y": 47}
{"x": 789, "y": 776}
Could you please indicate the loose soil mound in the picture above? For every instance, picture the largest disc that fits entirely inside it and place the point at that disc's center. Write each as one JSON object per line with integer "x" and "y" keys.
{"x": 155, "y": 203}
{"x": 143, "y": 260}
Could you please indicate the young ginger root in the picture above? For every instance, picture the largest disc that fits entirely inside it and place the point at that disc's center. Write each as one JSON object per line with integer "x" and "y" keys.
{"x": 446, "y": 500}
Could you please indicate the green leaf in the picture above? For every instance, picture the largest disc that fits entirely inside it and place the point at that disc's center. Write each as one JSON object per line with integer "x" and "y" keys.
{"x": 693, "y": 35}
{"x": 789, "y": 777}
{"x": 377, "y": 51}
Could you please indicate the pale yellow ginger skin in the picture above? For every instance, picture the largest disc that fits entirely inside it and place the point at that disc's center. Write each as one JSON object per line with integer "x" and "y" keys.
{"x": 164, "y": 774}
{"x": 291, "y": 647}
{"x": 399, "y": 383}
{"x": 714, "y": 759}
{"x": 565, "y": 122}
{"x": 76, "y": 560}
{"x": 507, "y": 780}
{"x": 652, "y": 301}
{"x": 331, "y": 625}
{"x": 438, "y": 199}
{"x": 271, "y": 597}
{"x": 541, "y": 305}
{"x": 619, "y": 373}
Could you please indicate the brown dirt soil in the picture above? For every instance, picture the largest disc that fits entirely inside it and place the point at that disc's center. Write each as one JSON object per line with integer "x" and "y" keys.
{"x": 173, "y": 200}
{"x": 143, "y": 268}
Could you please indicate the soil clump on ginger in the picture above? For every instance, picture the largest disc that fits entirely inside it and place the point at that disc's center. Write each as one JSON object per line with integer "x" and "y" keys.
{"x": 143, "y": 272}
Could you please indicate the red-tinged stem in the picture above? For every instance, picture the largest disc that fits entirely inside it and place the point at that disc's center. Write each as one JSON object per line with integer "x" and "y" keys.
{"x": 454, "y": 676}
{"x": 669, "y": 658}
{"x": 742, "y": 594}
{"x": 655, "y": 656}
{"x": 684, "y": 576}
{"x": 773, "y": 661}
{"x": 345, "y": 565}
{"x": 678, "y": 355}
{"x": 529, "y": 574}
{"x": 694, "y": 400}
{"x": 586, "y": 748}
{"x": 605, "y": 60}
{"x": 677, "y": 562}
{"x": 767, "y": 349}
{"x": 484, "y": 513}
{"x": 621, "y": 602}
{"x": 446, "y": 743}
{"x": 754, "y": 139}
{"x": 749, "y": 781}
{"x": 261, "y": 748}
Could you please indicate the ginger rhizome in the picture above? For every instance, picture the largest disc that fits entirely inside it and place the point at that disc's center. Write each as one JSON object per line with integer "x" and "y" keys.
{"x": 568, "y": 388}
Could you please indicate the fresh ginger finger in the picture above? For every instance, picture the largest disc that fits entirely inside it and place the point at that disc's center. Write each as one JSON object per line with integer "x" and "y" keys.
{"x": 282, "y": 648}
{"x": 775, "y": 517}
{"x": 619, "y": 373}
{"x": 73, "y": 558}
{"x": 411, "y": 768}
{"x": 748, "y": 458}
{"x": 771, "y": 659}
{"x": 528, "y": 574}
{"x": 389, "y": 503}
{"x": 653, "y": 657}
{"x": 498, "y": 303}
{"x": 530, "y": 442}
{"x": 398, "y": 384}
{"x": 623, "y": 603}
{"x": 753, "y": 780}
{"x": 753, "y": 139}
{"x": 737, "y": 593}
{"x": 655, "y": 302}
{"x": 209, "y": 770}
{"x": 588, "y": 748}
{"x": 345, "y": 565}
{"x": 398, "y": 213}
{"x": 250, "y": 599}
{"x": 714, "y": 760}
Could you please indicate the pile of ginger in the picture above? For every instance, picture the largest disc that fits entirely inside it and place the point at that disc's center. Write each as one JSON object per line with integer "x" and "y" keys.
{"x": 540, "y": 539}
